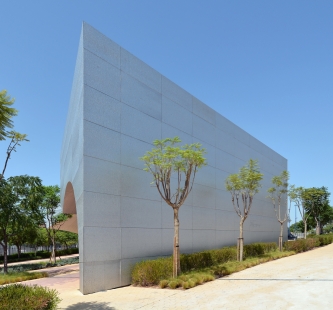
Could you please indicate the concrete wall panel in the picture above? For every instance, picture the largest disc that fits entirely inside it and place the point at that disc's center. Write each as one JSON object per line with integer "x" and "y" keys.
{"x": 139, "y": 125}
{"x": 176, "y": 94}
{"x": 176, "y": 116}
{"x": 103, "y": 110}
{"x": 141, "y": 97}
{"x": 140, "y": 71}
{"x": 101, "y": 75}
{"x": 204, "y": 111}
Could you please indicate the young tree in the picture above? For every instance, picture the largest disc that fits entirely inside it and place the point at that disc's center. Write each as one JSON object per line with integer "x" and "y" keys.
{"x": 6, "y": 113}
{"x": 243, "y": 186}
{"x": 164, "y": 160}
{"x": 316, "y": 201}
{"x": 53, "y": 221}
{"x": 20, "y": 197}
{"x": 277, "y": 195}
{"x": 296, "y": 195}
{"x": 15, "y": 139}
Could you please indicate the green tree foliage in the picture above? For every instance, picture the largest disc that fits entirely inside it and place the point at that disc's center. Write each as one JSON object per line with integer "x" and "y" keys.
{"x": 67, "y": 238}
{"x": 299, "y": 227}
{"x": 41, "y": 238}
{"x": 243, "y": 186}
{"x": 24, "y": 232}
{"x": 277, "y": 193}
{"x": 20, "y": 197}
{"x": 328, "y": 229}
{"x": 6, "y": 113}
{"x": 165, "y": 160}
{"x": 53, "y": 221}
{"x": 316, "y": 202}
{"x": 296, "y": 196}
{"x": 326, "y": 221}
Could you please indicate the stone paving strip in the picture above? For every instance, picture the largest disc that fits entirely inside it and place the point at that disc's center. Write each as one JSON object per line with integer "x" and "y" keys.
{"x": 302, "y": 281}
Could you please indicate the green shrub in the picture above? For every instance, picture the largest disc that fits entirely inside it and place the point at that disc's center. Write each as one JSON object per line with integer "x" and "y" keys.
{"x": 205, "y": 259}
{"x": 256, "y": 249}
{"x": 302, "y": 245}
{"x": 22, "y": 297}
{"x": 324, "y": 239}
{"x": 195, "y": 261}
{"x": 173, "y": 284}
{"x": 151, "y": 272}
{"x": 224, "y": 255}
{"x": 163, "y": 283}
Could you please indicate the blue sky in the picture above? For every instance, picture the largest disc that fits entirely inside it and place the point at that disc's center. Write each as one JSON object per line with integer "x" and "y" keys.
{"x": 265, "y": 65}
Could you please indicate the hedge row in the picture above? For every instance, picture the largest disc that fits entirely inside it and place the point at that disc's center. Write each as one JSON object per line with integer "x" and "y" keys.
{"x": 39, "y": 254}
{"x": 303, "y": 245}
{"x": 150, "y": 272}
{"x": 324, "y": 239}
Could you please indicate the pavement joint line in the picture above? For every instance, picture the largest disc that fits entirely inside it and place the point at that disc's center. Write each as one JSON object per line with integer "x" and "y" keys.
{"x": 153, "y": 302}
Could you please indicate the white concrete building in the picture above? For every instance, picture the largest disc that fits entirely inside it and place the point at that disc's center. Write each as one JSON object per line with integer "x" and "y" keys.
{"x": 118, "y": 106}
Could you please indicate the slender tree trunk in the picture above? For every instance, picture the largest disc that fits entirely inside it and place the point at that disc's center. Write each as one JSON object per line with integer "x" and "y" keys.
{"x": 18, "y": 250}
{"x": 305, "y": 229}
{"x": 5, "y": 255}
{"x": 240, "y": 242}
{"x": 281, "y": 238}
{"x": 53, "y": 258}
{"x": 317, "y": 228}
{"x": 176, "y": 255}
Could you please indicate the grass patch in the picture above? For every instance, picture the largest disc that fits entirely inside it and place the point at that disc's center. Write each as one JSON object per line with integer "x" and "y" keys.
{"x": 187, "y": 280}
{"x": 23, "y": 297}
{"x": 19, "y": 277}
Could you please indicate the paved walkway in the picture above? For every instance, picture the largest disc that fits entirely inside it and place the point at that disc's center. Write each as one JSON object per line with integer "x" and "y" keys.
{"x": 303, "y": 281}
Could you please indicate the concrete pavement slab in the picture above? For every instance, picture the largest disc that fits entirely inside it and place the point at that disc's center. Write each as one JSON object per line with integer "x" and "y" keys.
{"x": 303, "y": 281}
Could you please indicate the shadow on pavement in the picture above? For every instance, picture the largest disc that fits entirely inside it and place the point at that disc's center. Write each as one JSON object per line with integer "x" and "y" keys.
{"x": 91, "y": 306}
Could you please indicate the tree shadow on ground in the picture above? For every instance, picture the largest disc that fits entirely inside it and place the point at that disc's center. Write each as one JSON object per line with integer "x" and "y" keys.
{"x": 91, "y": 306}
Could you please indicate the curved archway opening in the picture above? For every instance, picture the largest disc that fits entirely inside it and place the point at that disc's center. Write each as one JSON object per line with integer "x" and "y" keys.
{"x": 69, "y": 207}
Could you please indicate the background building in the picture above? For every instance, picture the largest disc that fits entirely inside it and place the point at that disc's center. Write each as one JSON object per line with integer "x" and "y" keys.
{"x": 118, "y": 106}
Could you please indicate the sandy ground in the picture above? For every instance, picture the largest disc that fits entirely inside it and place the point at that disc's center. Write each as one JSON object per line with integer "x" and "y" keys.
{"x": 303, "y": 281}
